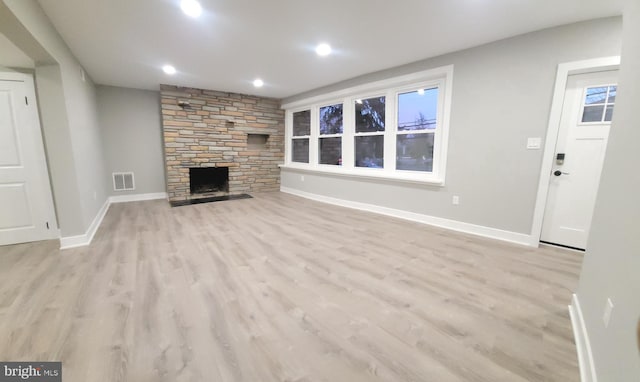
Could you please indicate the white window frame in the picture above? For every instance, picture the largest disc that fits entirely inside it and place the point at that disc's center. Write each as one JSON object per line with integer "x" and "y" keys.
{"x": 321, "y": 136}
{"x": 353, "y": 134}
{"x": 441, "y": 77}
{"x": 291, "y": 137}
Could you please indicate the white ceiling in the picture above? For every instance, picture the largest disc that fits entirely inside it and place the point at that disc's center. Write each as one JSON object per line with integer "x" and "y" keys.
{"x": 11, "y": 56}
{"x": 126, "y": 42}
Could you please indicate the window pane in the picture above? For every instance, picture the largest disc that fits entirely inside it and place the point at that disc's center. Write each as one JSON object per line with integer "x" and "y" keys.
{"x": 331, "y": 151}
{"x": 300, "y": 152}
{"x": 370, "y": 151}
{"x": 609, "y": 113}
{"x": 596, "y": 95}
{"x": 302, "y": 123}
{"x": 613, "y": 90}
{"x": 592, "y": 113}
{"x": 414, "y": 152}
{"x": 331, "y": 119}
{"x": 370, "y": 115}
{"x": 418, "y": 110}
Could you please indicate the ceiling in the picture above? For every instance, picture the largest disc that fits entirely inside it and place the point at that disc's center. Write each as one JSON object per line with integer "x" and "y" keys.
{"x": 126, "y": 42}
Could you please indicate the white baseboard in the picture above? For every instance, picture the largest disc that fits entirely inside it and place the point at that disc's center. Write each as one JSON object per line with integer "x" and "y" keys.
{"x": 82, "y": 240}
{"x": 583, "y": 346}
{"x": 85, "y": 239}
{"x": 137, "y": 197}
{"x": 494, "y": 233}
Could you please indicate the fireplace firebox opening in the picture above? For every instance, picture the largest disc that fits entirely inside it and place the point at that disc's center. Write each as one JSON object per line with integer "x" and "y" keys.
{"x": 208, "y": 179}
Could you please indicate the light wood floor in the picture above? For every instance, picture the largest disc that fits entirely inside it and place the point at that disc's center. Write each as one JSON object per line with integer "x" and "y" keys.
{"x": 279, "y": 288}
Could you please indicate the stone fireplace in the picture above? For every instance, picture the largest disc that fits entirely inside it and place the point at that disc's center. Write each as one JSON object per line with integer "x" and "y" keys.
{"x": 218, "y": 143}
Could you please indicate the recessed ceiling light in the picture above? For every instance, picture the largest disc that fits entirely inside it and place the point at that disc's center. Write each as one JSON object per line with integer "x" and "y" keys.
{"x": 168, "y": 69}
{"x": 323, "y": 49}
{"x": 258, "y": 83}
{"x": 191, "y": 8}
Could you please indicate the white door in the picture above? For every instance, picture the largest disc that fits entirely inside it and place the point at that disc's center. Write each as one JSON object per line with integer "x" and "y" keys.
{"x": 580, "y": 150}
{"x": 26, "y": 205}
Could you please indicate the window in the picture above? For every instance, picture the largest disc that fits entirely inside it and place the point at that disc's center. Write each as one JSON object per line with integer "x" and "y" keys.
{"x": 395, "y": 128}
{"x": 301, "y": 134}
{"x": 417, "y": 119}
{"x": 330, "y": 140}
{"x": 598, "y": 104}
{"x": 369, "y": 135}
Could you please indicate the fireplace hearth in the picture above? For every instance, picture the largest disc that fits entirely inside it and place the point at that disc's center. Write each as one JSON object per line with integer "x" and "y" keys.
{"x": 203, "y": 180}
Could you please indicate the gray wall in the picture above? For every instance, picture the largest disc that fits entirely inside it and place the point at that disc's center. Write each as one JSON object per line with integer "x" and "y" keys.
{"x": 612, "y": 264}
{"x": 68, "y": 105}
{"x": 501, "y": 96}
{"x": 132, "y": 136}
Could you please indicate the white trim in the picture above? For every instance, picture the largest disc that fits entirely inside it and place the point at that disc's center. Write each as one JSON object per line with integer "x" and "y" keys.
{"x": 564, "y": 70}
{"x": 493, "y": 233}
{"x": 583, "y": 346}
{"x": 85, "y": 239}
{"x": 137, "y": 197}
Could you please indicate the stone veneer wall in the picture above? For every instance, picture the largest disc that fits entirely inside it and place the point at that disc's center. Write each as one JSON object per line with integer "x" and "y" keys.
{"x": 212, "y": 132}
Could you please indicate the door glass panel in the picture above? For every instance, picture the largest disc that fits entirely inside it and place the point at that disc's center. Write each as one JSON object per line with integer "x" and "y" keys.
{"x": 593, "y": 113}
{"x": 613, "y": 90}
{"x": 609, "y": 113}
{"x": 596, "y": 95}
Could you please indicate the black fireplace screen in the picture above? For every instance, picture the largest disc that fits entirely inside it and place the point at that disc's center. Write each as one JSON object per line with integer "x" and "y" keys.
{"x": 208, "y": 179}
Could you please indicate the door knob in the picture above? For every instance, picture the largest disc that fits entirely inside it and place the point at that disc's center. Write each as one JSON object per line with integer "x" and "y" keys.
{"x": 558, "y": 173}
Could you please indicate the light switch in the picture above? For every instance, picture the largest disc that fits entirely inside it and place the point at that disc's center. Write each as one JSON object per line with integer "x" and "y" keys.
{"x": 533, "y": 143}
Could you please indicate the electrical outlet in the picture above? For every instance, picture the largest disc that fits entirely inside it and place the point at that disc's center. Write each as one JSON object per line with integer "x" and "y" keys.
{"x": 302, "y": 178}
{"x": 455, "y": 200}
{"x": 608, "y": 308}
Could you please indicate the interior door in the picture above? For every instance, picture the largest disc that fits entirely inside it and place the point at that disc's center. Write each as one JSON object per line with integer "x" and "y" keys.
{"x": 26, "y": 205}
{"x": 580, "y": 150}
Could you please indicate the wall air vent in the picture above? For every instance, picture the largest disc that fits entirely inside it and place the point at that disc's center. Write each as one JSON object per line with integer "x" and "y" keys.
{"x": 123, "y": 181}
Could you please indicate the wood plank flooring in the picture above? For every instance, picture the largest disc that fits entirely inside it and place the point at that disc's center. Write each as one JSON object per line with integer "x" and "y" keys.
{"x": 280, "y": 288}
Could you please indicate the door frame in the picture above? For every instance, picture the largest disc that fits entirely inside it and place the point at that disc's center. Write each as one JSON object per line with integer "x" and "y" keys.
{"x": 42, "y": 165}
{"x": 564, "y": 71}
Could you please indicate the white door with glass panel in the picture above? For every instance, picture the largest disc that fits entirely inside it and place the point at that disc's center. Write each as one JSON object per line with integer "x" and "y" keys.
{"x": 26, "y": 206}
{"x": 580, "y": 150}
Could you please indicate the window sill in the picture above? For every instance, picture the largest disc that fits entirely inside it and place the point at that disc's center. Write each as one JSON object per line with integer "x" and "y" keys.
{"x": 371, "y": 174}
